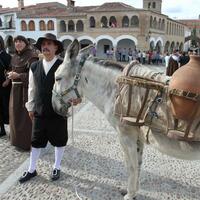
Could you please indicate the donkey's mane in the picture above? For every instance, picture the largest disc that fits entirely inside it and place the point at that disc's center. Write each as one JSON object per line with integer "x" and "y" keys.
{"x": 107, "y": 63}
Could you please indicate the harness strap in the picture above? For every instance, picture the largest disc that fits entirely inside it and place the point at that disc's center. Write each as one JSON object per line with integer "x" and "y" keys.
{"x": 130, "y": 87}
{"x": 186, "y": 94}
{"x": 143, "y": 105}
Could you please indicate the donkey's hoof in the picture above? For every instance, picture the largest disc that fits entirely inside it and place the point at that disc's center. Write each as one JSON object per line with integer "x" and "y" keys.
{"x": 128, "y": 197}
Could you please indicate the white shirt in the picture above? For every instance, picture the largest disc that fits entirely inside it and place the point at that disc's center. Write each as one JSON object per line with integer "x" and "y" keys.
{"x": 167, "y": 61}
{"x": 31, "y": 87}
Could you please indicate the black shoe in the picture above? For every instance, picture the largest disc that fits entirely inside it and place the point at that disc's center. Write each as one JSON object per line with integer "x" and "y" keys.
{"x": 55, "y": 174}
{"x": 27, "y": 176}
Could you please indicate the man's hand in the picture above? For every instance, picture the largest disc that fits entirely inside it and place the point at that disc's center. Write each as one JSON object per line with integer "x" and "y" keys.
{"x": 31, "y": 115}
{"x": 13, "y": 75}
{"x": 75, "y": 101}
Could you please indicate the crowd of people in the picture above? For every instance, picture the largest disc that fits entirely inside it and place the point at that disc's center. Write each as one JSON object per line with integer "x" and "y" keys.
{"x": 171, "y": 61}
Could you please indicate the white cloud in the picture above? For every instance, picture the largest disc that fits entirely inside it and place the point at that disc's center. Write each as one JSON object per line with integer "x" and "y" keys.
{"x": 173, "y": 8}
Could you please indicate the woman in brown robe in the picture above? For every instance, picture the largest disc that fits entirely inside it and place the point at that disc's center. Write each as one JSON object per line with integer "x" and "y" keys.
{"x": 20, "y": 122}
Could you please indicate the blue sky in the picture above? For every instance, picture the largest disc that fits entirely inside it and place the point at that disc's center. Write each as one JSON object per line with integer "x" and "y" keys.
{"x": 176, "y": 9}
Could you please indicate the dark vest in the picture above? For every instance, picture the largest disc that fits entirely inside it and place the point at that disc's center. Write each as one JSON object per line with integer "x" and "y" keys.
{"x": 43, "y": 89}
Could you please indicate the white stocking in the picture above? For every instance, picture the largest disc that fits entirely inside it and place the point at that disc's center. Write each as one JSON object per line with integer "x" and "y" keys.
{"x": 35, "y": 153}
{"x": 58, "y": 156}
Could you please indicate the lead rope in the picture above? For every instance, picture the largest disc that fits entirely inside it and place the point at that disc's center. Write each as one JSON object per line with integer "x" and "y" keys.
{"x": 73, "y": 142}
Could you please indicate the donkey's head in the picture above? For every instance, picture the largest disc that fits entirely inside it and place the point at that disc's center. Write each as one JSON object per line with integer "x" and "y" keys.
{"x": 67, "y": 77}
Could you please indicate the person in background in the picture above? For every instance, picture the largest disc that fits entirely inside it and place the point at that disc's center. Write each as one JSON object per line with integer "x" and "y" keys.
{"x": 184, "y": 59}
{"x": 173, "y": 63}
{"x": 48, "y": 126}
{"x": 20, "y": 123}
{"x": 5, "y": 87}
{"x": 167, "y": 56}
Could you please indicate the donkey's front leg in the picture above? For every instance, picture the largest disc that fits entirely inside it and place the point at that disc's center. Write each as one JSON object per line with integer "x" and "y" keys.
{"x": 128, "y": 141}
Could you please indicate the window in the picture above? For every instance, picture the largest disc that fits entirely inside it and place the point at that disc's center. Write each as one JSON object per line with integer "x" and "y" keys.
{"x": 71, "y": 26}
{"x": 134, "y": 21}
{"x": 62, "y": 26}
{"x": 104, "y": 22}
{"x": 50, "y": 25}
{"x": 92, "y": 22}
{"x": 31, "y": 25}
{"x": 23, "y": 26}
{"x": 42, "y": 25}
{"x": 125, "y": 21}
{"x": 79, "y": 26}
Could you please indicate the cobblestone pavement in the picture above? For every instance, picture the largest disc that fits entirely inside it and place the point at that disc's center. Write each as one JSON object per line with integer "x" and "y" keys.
{"x": 93, "y": 168}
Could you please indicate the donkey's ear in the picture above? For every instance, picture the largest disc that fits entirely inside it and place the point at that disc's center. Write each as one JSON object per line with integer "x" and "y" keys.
{"x": 72, "y": 50}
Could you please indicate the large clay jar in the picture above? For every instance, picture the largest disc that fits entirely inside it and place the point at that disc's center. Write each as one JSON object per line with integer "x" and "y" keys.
{"x": 186, "y": 78}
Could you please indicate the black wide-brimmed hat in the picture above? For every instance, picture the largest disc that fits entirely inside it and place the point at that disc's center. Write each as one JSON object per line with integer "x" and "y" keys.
{"x": 49, "y": 36}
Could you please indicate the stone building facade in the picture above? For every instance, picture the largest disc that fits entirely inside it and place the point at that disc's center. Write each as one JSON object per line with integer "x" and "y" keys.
{"x": 110, "y": 25}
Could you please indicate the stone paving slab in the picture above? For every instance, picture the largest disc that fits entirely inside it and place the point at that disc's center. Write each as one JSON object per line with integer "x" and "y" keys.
{"x": 10, "y": 158}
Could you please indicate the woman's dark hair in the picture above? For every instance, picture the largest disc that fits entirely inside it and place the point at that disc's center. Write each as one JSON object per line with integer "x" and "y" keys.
{"x": 22, "y": 38}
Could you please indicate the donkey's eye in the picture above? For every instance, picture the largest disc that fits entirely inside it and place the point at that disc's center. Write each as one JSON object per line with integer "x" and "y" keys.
{"x": 58, "y": 78}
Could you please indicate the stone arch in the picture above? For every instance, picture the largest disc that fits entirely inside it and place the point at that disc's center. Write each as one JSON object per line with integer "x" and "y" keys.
{"x": 129, "y": 37}
{"x": 103, "y": 45}
{"x": 134, "y": 21}
{"x": 167, "y": 45}
{"x": 66, "y": 37}
{"x": 151, "y": 46}
{"x": 172, "y": 47}
{"x": 79, "y": 26}
{"x": 125, "y": 21}
{"x": 158, "y": 46}
{"x": 92, "y": 22}
{"x": 23, "y": 26}
{"x": 71, "y": 26}
{"x": 50, "y": 25}
{"x": 181, "y": 46}
{"x": 85, "y": 42}
{"x": 42, "y": 25}
{"x": 104, "y": 22}
{"x": 163, "y": 25}
{"x": 154, "y": 23}
{"x": 161, "y": 40}
{"x": 62, "y": 26}
{"x": 31, "y": 25}
{"x": 2, "y": 35}
{"x": 177, "y": 46}
{"x": 113, "y": 22}
{"x": 107, "y": 37}
{"x": 86, "y": 38}
{"x": 159, "y": 23}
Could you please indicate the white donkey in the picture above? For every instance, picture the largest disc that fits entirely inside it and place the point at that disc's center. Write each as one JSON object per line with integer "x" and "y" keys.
{"x": 81, "y": 74}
